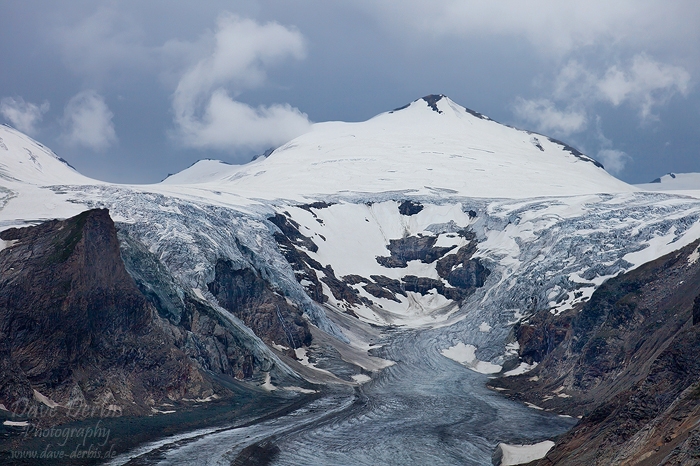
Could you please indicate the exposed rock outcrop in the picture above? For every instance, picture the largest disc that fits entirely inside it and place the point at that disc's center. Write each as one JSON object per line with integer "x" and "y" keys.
{"x": 627, "y": 362}
{"x": 75, "y": 328}
{"x": 412, "y": 248}
{"x": 250, "y": 298}
{"x": 409, "y": 207}
{"x": 90, "y": 317}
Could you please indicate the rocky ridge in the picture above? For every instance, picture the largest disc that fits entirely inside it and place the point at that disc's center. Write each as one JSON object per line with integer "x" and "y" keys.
{"x": 78, "y": 330}
{"x": 626, "y": 361}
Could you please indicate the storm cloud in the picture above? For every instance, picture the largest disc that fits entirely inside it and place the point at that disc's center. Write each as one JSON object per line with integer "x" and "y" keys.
{"x": 153, "y": 88}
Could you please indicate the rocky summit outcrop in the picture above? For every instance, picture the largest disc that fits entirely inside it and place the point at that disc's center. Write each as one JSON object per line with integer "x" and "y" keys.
{"x": 627, "y": 362}
{"x": 78, "y": 327}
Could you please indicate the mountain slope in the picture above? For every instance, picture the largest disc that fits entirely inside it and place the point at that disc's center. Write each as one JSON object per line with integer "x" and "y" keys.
{"x": 333, "y": 256}
{"x": 90, "y": 325}
{"x": 23, "y": 160}
{"x": 627, "y": 362}
{"x": 431, "y": 146}
{"x": 674, "y": 182}
{"x": 76, "y": 329}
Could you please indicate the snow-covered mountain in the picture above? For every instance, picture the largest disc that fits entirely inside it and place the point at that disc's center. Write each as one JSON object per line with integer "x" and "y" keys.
{"x": 674, "y": 182}
{"x": 26, "y": 161}
{"x": 430, "y": 217}
{"x": 431, "y": 146}
{"x": 395, "y": 220}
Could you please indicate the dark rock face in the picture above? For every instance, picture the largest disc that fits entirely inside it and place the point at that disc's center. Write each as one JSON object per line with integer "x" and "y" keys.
{"x": 394, "y": 286}
{"x": 627, "y": 361}
{"x": 432, "y": 101}
{"x": 423, "y": 285}
{"x": 288, "y": 239}
{"x": 315, "y": 205}
{"x": 291, "y": 241}
{"x": 409, "y": 208}
{"x": 75, "y": 327}
{"x": 460, "y": 270}
{"x": 290, "y": 230}
{"x": 412, "y": 248}
{"x": 250, "y": 298}
{"x": 201, "y": 332}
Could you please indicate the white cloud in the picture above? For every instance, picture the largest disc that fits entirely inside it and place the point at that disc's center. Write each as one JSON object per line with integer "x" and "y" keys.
{"x": 205, "y": 113}
{"x": 613, "y": 160}
{"x": 548, "y": 119}
{"x": 229, "y": 124}
{"x": 642, "y": 82}
{"x": 551, "y": 26}
{"x": 88, "y": 121}
{"x": 23, "y": 115}
{"x": 646, "y": 83}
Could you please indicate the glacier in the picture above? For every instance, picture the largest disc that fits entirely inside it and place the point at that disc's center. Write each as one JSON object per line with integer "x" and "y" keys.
{"x": 547, "y": 222}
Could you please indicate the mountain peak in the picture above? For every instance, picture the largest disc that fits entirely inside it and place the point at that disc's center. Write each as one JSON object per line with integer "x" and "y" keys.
{"x": 439, "y": 103}
{"x": 24, "y": 160}
{"x": 432, "y": 101}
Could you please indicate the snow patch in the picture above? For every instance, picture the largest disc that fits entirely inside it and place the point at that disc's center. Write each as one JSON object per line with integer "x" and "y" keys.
{"x": 203, "y": 400}
{"x": 301, "y": 356}
{"x": 45, "y": 400}
{"x": 522, "y": 454}
{"x": 267, "y": 385}
{"x": 299, "y": 389}
{"x": 361, "y": 378}
{"x": 521, "y": 369}
{"x": 158, "y": 411}
{"x": 304, "y": 360}
{"x": 7, "y": 244}
{"x": 16, "y": 423}
{"x": 466, "y": 355}
{"x": 279, "y": 347}
{"x": 484, "y": 327}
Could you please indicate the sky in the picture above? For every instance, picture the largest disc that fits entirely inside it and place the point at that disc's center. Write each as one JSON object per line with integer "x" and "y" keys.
{"x": 130, "y": 91}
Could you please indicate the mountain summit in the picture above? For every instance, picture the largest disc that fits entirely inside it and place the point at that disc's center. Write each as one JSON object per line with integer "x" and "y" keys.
{"x": 429, "y": 146}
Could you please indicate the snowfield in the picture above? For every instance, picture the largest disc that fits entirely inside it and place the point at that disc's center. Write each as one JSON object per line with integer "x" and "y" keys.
{"x": 422, "y": 150}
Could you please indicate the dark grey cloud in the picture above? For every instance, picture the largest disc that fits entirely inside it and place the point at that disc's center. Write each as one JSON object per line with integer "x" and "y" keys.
{"x": 171, "y": 83}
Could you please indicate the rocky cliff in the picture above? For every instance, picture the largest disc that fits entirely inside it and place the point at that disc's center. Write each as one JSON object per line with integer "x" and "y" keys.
{"x": 626, "y": 361}
{"x": 79, "y": 329}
